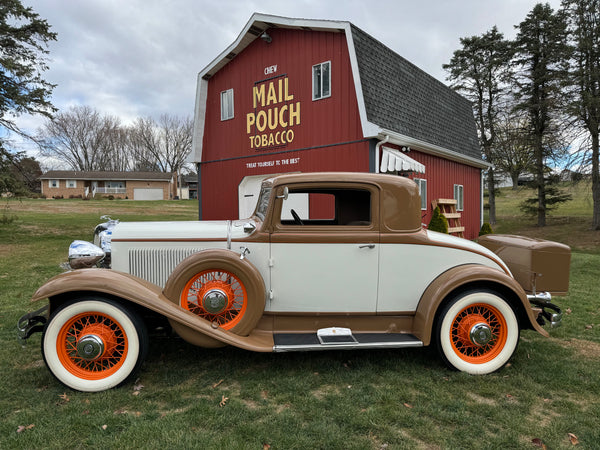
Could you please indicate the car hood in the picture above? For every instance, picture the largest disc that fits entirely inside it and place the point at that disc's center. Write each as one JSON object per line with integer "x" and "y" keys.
{"x": 184, "y": 231}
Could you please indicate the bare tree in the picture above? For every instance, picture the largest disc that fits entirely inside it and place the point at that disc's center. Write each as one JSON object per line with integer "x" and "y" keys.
{"x": 512, "y": 149}
{"x": 84, "y": 139}
{"x": 163, "y": 145}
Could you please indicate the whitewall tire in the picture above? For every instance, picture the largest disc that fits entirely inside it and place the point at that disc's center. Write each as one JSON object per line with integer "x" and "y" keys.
{"x": 93, "y": 344}
{"x": 477, "y": 332}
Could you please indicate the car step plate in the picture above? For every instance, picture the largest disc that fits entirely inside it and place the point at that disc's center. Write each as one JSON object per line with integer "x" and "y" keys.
{"x": 290, "y": 342}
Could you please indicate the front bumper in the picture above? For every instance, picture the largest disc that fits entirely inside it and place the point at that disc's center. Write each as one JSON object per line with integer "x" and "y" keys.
{"x": 547, "y": 311}
{"x": 30, "y": 323}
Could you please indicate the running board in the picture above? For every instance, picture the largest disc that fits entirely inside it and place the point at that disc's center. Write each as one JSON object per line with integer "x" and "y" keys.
{"x": 302, "y": 342}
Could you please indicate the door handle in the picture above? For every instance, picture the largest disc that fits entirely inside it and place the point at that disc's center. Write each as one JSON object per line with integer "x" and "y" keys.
{"x": 367, "y": 246}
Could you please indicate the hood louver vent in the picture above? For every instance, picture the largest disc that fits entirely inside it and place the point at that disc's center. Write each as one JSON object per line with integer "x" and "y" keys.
{"x": 155, "y": 265}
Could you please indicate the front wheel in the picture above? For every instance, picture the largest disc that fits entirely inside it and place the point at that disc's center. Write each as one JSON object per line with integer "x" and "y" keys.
{"x": 477, "y": 332}
{"x": 93, "y": 344}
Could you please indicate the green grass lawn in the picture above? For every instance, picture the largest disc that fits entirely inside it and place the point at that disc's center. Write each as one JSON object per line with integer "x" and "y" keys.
{"x": 188, "y": 397}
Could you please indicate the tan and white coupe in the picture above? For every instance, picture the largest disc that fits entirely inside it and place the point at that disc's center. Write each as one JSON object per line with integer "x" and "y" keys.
{"x": 327, "y": 261}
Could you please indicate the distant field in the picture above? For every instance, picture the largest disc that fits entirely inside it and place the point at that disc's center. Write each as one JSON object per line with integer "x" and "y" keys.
{"x": 569, "y": 223}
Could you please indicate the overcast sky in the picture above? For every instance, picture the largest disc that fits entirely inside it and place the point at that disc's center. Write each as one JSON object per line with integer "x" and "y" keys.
{"x": 138, "y": 58}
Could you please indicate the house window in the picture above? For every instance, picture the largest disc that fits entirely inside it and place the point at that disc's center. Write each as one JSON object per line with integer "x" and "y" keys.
{"x": 321, "y": 80}
{"x": 115, "y": 184}
{"x": 53, "y": 183}
{"x": 422, "y": 183}
{"x": 227, "y": 104}
{"x": 71, "y": 184}
{"x": 458, "y": 196}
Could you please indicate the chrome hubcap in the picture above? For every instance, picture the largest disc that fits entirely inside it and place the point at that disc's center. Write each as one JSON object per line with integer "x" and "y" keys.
{"x": 90, "y": 347}
{"x": 215, "y": 301}
{"x": 481, "y": 334}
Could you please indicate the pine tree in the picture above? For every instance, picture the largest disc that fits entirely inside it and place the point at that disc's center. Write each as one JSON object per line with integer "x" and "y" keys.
{"x": 583, "y": 84}
{"x": 24, "y": 39}
{"x": 478, "y": 71}
{"x": 540, "y": 53}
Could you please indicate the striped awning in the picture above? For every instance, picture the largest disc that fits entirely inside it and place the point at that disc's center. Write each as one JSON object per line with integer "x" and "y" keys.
{"x": 394, "y": 160}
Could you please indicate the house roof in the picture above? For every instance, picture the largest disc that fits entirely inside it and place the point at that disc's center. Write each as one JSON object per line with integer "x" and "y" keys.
{"x": 101, "y": 175}
{"x": 396, "y": 99}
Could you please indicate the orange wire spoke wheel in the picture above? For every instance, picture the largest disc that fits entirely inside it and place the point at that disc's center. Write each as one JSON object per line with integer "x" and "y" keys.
{"x": 216, "y": 295}
{"x": 478, "y": 333}
{"x": 92, "y": 345}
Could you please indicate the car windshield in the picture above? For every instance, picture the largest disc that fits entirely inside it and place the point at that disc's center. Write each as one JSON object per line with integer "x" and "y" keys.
{"x": 263, "y": 201}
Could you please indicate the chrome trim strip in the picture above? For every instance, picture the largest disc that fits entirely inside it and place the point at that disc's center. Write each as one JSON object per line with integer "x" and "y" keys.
{"x": 345, "y": 346}
{"x": 229, "y": 235}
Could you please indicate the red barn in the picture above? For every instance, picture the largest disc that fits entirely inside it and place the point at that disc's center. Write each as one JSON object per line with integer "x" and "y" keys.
{"x": 298, "y": 95}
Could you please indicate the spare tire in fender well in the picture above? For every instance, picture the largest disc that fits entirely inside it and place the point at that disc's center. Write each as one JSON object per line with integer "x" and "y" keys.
{"x": 228, "y": 261}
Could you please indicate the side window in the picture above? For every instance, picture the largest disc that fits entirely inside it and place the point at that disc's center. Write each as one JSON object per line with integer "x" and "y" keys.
{"x": 422, "y": 192}
{"x": 53, "y": 183}
{"x": 71, "y": 183}
{"x": 327, "y": 207}
{"x": 458, "y": 196}
{"x": 227, "y": 104}
{"x": 321, "y": 80}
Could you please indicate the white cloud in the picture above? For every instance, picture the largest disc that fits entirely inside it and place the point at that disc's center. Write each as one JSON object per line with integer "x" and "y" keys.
{"x": 141, "y": 57}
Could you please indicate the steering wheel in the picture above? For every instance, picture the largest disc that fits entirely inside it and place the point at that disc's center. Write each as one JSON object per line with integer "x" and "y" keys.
{"x": 296, "y": 217}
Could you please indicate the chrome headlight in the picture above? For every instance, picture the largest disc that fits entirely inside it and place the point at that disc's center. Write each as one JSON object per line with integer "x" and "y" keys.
{"x": 103, "y": 234}
{"x": 83, "y": 254}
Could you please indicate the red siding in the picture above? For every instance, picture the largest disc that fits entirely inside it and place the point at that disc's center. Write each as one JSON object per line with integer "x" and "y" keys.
{"x": 441, "y": 176}
{"x": 220, "y": 180}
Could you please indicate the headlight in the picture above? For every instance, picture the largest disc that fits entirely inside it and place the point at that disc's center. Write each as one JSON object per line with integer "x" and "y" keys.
{"x": 103, "y": 234}
{"x": 84, "y": 255}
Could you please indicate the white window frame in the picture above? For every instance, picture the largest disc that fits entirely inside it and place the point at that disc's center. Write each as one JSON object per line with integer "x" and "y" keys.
{"x": 71, "y": 184}
{"x": 459, "y": 196}
{"x": 422, "y": 184}
{"x": 227, "y": 109}
{"x": 318, "y": 68}
{"x": 51, "y": 184}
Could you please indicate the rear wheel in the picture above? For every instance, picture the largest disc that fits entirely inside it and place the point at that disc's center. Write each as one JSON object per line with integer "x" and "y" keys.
{"x": 93, "y": 344}
{"x": 477, "y": 332}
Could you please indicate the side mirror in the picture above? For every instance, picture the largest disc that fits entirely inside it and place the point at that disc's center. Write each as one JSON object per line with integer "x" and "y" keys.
{"x": 286, "y": 193}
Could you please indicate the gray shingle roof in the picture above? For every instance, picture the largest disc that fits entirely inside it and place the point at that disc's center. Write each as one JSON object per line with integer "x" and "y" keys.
{"x": 402, "y": 98}
{"x": 80, "y": 175}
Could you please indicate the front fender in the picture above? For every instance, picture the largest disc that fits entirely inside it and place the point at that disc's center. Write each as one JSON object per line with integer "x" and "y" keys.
{"x": 128, "y": 287}
{"x": 462, "y": 277}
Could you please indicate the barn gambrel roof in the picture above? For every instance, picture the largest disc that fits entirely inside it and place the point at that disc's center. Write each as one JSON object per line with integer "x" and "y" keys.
{"x": 396, "y": 99}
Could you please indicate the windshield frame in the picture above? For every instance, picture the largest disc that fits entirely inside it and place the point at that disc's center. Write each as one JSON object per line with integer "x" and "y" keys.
{"x": 264, "y": 198}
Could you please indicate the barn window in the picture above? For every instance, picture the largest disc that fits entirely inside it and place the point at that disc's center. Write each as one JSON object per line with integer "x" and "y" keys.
{"x": 227, "y": 104}
{"x": 458, "y": 196}
{"x": 321, "y": 80}
{"x": 422, "y": 183}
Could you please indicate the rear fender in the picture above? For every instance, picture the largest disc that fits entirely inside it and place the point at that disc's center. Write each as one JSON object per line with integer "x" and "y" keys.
{"x": 470, "y": 276}
{"x": 141, "y": 292}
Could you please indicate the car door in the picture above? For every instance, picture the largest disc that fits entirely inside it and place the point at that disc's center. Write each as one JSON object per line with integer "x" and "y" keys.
{"x": 325, "y": 260}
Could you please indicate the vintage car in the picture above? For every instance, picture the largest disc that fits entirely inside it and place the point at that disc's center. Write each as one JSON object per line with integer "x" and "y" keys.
{"x": 327, "y": 261}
